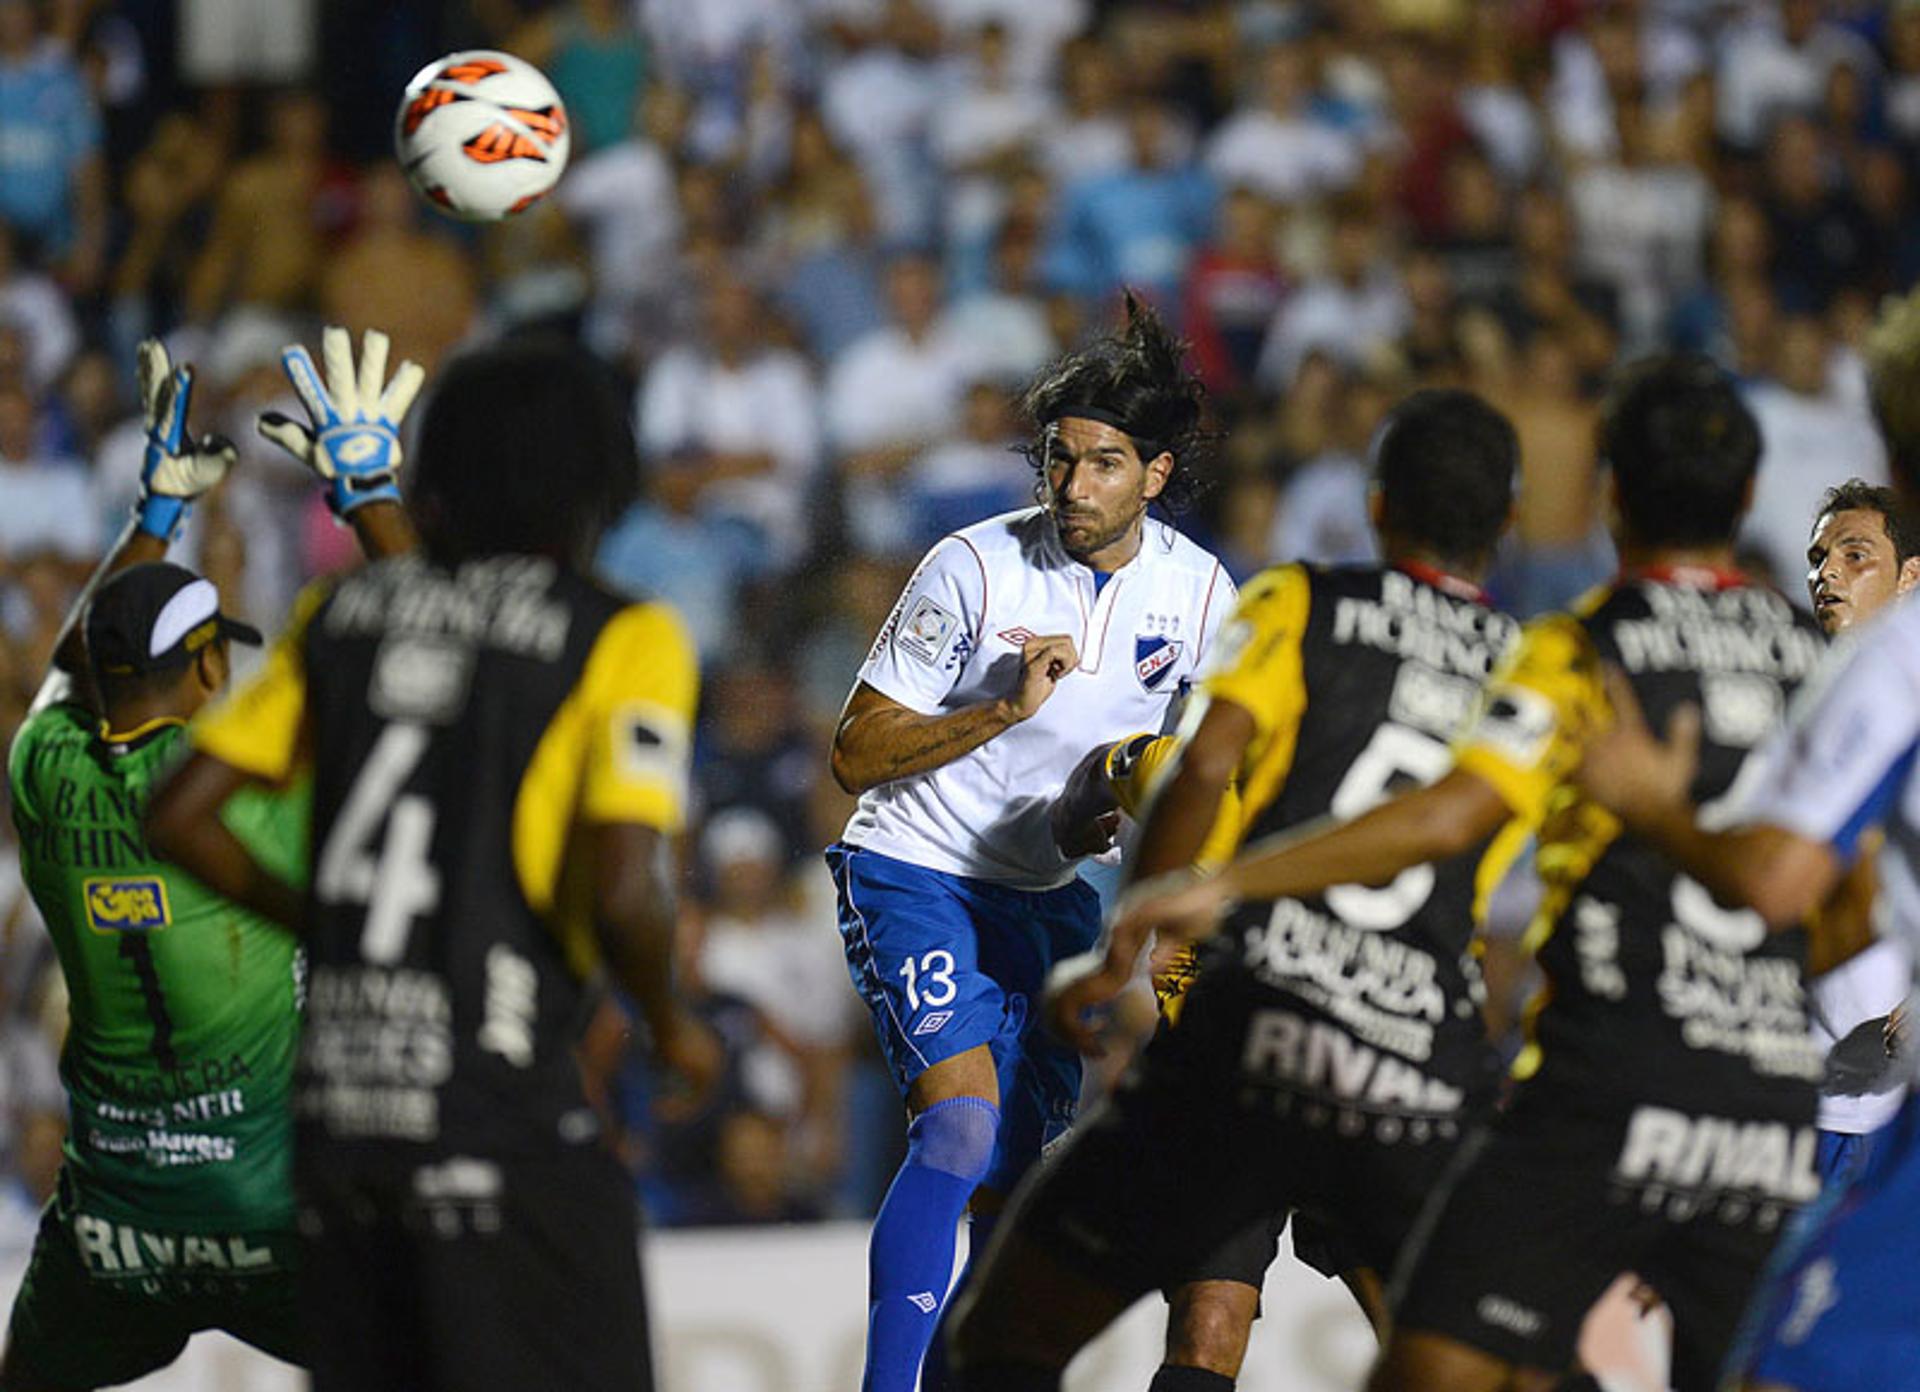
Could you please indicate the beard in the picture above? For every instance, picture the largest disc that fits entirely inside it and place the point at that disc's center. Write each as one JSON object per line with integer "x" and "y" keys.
{"x": 1091, "y": 532}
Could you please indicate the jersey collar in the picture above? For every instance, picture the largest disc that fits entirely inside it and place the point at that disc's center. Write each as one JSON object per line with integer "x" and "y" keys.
{"x": 1691, "y": 577}
{"x": 123, "y": 740}
{"x": 1443, "y": 582}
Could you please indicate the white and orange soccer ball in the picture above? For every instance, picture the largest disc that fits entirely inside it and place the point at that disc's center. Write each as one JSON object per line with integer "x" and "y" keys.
{"x": 481, "y": 134}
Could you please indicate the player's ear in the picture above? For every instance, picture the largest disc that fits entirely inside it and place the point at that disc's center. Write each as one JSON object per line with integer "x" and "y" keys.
{"x": 1159, "y": 470}
{"x": 1909, "y": 575}
{"x": 1376, "y": 506}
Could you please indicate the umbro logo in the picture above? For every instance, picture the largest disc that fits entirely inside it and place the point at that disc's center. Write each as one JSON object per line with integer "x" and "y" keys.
{"x": 933, "y": 1022}
{"x": 1019, "y": 637}
{"x": 926, "y": 1302}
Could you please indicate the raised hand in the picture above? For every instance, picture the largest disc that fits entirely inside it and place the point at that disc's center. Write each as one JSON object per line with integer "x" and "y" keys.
{"x": 1631, "y": 771}
{"x": 352, "y": 435}
{"x": 176, "y": 469}
{"x": 1044, "y": 663}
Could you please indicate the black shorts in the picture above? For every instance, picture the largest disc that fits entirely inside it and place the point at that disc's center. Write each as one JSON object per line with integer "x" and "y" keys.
{"x": 467, "y": 1276}
{"x": 1550, "y": 1203}
{"x": 1179, "y": 1176}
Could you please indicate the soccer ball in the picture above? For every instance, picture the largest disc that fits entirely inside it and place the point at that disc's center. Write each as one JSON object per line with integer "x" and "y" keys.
{"x": 481, "y": 134}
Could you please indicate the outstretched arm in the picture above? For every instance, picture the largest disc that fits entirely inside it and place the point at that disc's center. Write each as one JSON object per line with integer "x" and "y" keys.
{"x": 175, "y": 471}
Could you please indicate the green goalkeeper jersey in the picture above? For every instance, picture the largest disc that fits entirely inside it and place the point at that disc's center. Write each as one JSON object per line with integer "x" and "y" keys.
{"x": 184, "y": 1008}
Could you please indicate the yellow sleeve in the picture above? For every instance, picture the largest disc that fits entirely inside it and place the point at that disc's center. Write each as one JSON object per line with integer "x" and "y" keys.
{"x": 256, "y": 727}
{"x": 1136, "y": 777}
{"x": 1542, "y": 705}
{"x": 639, "y": 689}
{"x": 1257, "y": 665}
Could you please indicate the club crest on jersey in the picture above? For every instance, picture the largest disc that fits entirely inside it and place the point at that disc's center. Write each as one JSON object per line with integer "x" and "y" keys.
{"x": 126, "y": 906}
{"x": 1153, "y": 658}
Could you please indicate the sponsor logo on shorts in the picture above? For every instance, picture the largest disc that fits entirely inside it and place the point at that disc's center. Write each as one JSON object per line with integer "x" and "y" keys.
{"x": 1318, "y": 1057}
{"x": 121, "y": 1250}
{"x": 1503, "y": 1312}
{"x": 1768, "y": 1159}
{"x": 126, "y": 906}
{"x": 933, "y": 1022}
{"x": 1816, "y": 1293}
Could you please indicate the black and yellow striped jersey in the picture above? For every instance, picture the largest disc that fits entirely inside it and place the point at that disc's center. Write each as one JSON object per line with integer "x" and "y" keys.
{"x": 1654, "y": 991}
{"x": 463, "y": 728}
{"x": 1356, "y": 681}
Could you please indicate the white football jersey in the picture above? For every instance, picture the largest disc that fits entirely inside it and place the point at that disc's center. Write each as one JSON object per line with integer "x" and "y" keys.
{"x": 1845, "y": 764}
{"x": 954, "y": 640}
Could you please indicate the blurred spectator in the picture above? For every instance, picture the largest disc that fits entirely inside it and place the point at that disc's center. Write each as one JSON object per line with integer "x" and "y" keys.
{"x": 1558, "y": 548}
{"x": 1090, "y": 136}
{"x": 49, "y": 509}
{"x": 1233, "y": 292}
{"x": 1001, "y": 331}
{"x": 986, "y": 114}
{"x": 167, "y": 190}
{"x": 891, "y": 393}
{"x": 275, "y": 212}
{"x": 977, "y": 473}
{"x": 624, "y": 199}
{"x": 1281, "y": 148}
{"x": 392, "y": 274}
{"x": 755, "y": 752}
{"x": 1323, "y": 515}
{"x": 1642, "y": 220}
{"x": 597, "y": 61}
{"x": 733, "y": 419}
{"x": 1354, "y": 310}
{"x": 53, "y": 191}
{"x": 1550, "y": 291}
{"x": 1821, "y": 239}
{"x": 1137, "y": 226}
{"x": 1903, "y": 79}
{"x": 664, "y": 547}
{"x": 1778, "y": 62}
{"x": 230, "y": 43}
{"x": 34, "y": 305}
{"x": 877, "y": 99}
{"x": 1811, "y": 434}
{"x": 820, "y": 235}
{"x": 1478, "y": 248}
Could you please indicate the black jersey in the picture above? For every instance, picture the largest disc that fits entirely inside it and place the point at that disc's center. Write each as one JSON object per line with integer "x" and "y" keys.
{"x": 462, "y": 726}
{"x": 1656, "y": 993}
{"x": 1357, "y": 680}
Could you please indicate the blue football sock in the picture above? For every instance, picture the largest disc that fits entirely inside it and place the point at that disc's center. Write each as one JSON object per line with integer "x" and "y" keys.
{"x": 910, "y": 1258}
{"x": 933, "y": 1369}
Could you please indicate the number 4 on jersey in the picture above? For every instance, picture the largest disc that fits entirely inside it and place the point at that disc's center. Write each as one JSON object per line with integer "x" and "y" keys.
{"x": 399, "y": 883}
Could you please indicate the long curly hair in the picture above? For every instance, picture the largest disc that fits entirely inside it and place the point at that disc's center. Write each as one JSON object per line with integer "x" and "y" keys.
{"x": 1134, "y": 379}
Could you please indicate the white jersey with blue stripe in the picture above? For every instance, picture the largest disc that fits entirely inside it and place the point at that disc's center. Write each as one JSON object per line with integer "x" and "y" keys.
{"x": 954, "y": 640}
{"x": 1845, "y": 763}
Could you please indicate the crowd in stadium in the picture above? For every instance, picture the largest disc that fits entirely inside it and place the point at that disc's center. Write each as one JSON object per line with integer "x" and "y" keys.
{"x": 825, "y": 241}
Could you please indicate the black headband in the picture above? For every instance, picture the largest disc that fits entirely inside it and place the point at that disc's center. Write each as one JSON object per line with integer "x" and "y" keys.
{"x": 1146, "y": 445}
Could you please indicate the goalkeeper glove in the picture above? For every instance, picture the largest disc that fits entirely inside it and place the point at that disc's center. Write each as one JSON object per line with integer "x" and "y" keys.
{"x": 175, "y": 469}
{"x": 352, "y": 439}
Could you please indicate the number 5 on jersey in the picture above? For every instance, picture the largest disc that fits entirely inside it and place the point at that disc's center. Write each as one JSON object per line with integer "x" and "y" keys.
{"x": 396, "y": 883}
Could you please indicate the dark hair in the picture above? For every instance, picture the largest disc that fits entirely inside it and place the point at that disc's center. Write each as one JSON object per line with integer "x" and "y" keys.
{"x": 1445, "y": 461}
{"x": 1683, "y": 448}
{"x": 1903, "y": 529}
{"x": 1135, "y": 381}
{"x": 526, "y": 447}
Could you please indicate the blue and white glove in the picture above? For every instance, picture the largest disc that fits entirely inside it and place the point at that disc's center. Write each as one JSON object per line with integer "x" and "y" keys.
{"x": 352, "y": 439}
{"x": 175, "y": 469}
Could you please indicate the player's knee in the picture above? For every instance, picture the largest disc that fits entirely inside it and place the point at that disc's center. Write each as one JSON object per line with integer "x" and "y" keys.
{"x": 955, "y": 1137}
{"x": 1209, "y": 1324}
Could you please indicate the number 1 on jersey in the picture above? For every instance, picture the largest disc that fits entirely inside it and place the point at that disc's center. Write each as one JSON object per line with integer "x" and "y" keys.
{"x": 399, "y": 883}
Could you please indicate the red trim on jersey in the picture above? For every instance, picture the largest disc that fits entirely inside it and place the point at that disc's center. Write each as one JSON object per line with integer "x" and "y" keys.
{"x": 1206, "y": 608}
{"x": 980, "y": 561}
{"x": 1693, "y": 577}
{"x": 1443, "y": 582}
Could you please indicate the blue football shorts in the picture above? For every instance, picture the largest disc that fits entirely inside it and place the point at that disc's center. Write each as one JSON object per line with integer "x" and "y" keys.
{"x": 1839, "y": 1309}
{"x": 946, "y": 963}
